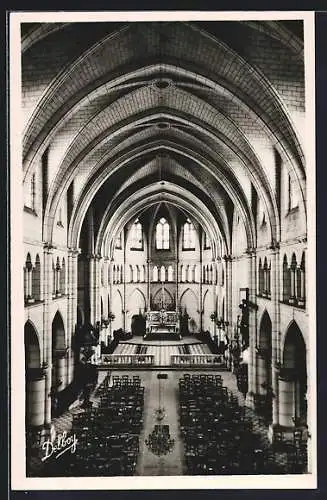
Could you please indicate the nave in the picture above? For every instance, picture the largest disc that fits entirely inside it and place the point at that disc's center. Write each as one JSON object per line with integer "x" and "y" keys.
{"x": 165, "y": 231}
{"x": 169, "y": 423}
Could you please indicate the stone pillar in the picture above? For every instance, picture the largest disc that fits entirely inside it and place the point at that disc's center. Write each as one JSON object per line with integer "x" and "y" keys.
{"x": 252, "y": 298}
{"x": 148, "y": 306}
{"x": 47, "y": 330}
{"x": 97, "y": 286}
{"x": 91, "y": 258}
{"x": 275, "y": 334}
{"x": 286, "y": 401}
{"x": 261, "y": 374}
{"x": 61, "y": 369}
{"x": 35, "y": 390}
{"x": 229, "y": 294}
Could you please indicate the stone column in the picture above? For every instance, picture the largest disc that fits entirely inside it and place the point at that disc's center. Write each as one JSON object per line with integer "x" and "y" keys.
{"x": 47, "y": 330}
{"x": 96, "y": 288}
{"x": 72, "y": 308}
{"x": 252, "y": 302}
{"x": 229, "y": 293}
{"x": 286, "y": 401}
{"x": 261, "y": 375}
{"x": 148, "y": 306}
{"x": 35, "y": 390}
{"x": 91, "y": 259}
{"x": 275, "y": 334}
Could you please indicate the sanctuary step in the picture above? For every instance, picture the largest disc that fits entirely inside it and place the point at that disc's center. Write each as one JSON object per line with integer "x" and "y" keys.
{"x": 164, "y": 355}
{"x": 162, "y": 334}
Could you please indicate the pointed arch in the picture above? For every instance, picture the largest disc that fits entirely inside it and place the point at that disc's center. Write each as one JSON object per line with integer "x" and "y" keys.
{"x": 32, "y": 346}
{"x": 117, "y": 309}
{"x": 36, "y": 279}
{"x": 189, "y": 303}
{"x": 63, "y": 277}
{"x": 294, "y": 376}
{"x": 162, "y": 234}
{"x": 265, "y": 331}
{"x": 155, "y": 274}
{"x": 58, "y": 332}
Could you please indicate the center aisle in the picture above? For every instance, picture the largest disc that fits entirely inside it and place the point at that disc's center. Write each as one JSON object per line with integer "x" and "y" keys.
{"x": 150, "y": 464}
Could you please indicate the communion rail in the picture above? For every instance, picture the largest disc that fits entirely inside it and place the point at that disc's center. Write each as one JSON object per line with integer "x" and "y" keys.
{"x": 197, "y": 359}
{"x": 127, "y": 359}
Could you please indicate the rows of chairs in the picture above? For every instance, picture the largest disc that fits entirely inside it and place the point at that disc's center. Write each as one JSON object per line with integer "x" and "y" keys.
{"x": 218, "y": 436}
{"x": 108, "y": 435}
{"x": 293, "y": 451}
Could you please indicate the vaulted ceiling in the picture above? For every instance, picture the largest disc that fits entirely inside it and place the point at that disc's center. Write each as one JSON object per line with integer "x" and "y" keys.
{"x": 140, "y": 113}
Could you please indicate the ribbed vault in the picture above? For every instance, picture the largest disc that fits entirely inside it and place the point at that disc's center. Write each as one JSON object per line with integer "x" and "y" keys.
{"x": 177, "y": 102}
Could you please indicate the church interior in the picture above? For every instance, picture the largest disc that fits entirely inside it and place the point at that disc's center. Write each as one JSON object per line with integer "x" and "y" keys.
{"x": 166, "y": 322}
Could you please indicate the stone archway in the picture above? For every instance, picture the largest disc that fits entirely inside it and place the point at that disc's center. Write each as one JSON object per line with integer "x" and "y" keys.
{"x": 59, "y": 360}
{"x": 34, "y": 378}
{"x": 136, "y": 308}
{"x": 293, "y": 379}
{"x": 207, "y": 311}
{"x": 189, "y": 303}
{"x": 117, "y": 310}
{"x": 264, "y": 364}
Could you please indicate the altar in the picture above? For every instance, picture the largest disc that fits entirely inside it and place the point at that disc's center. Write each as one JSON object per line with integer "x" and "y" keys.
{"x": 162, "y": 322}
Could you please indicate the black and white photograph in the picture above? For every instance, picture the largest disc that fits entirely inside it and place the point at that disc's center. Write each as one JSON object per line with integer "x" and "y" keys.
{"x": 162, "y": 250}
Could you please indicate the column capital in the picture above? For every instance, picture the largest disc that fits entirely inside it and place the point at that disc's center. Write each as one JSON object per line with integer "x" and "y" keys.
{"x": 228, "y": 258}
{"x": 98, "y": 256}
{"x": 48, "y": 247}
{"x": 251, "y": 251}
{"x": 274, "y": 245}
{"x": 74, "y": 251}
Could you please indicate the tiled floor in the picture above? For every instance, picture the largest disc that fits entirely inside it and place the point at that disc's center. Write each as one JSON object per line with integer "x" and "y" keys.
{"x": 164, "y": 393}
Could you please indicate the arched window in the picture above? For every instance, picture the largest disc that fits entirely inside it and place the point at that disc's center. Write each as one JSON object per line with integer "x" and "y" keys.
{"x": 36, "y": 279}
{"x": 155, "y": 275}
{"x": 292, "y": 201}
{"x": 121, "y": 274}
{"x": 32, "y": 192}
{"x": 63, "y": 277}
{"x": 114, "y": 274}
{"x": 28, "y": 279}
{"x": 138, "y": 274}
{"x": 162, "y": 274}
{"x": 301, "y": 282}
{"x": 57, "y": 277}
{"x": 170, "y": 273}
{"x": 136, "y": 236}
{"x": 118, "y": 243}
{"x": 196, "y": 274}
{"x": 210, "y": 275}
{"x": 207, "y": 244}
{"x": 286, "y": 280}
{"x": 130, "y": 274}
{"x": 265, "y": 280}
{"x": 261, "y": 278}
{"x": 162, "y": 235}
{"x": 189, "y": 274}
{"x": 293, "y": 269}
{"x": 188, "y": 236}
{"x": 102, "y": 274}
